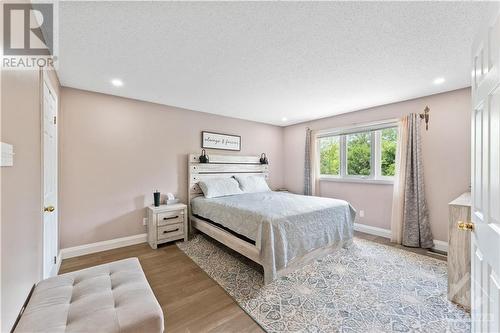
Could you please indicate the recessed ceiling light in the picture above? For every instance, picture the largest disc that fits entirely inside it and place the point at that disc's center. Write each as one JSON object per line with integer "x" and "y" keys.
{"x": 284, "y": 119}
{"x": 439, "y": 80}
{"x": 117, "y": 82}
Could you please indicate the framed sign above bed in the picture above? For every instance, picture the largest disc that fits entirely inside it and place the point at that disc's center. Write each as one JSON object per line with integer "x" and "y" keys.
{"x": 211, "y": 140}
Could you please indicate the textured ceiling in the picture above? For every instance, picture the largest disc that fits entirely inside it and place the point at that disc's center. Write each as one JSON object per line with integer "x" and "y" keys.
{"x": 264, "y": 61}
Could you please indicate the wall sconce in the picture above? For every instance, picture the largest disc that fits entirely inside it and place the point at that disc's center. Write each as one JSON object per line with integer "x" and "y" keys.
{"x": 425, "y": 115}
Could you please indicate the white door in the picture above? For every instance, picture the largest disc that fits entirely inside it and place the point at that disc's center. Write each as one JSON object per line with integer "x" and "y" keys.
{"x": 485, "y": 249}
{"x": 50, "y": 232}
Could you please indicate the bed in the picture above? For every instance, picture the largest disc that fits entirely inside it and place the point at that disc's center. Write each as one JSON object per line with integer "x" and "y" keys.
{"x": 278, "y": 230}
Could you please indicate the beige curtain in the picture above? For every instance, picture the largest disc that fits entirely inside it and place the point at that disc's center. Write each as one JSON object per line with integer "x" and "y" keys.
{"x": 398, "y": 198}
{"x": 311, "y": 177}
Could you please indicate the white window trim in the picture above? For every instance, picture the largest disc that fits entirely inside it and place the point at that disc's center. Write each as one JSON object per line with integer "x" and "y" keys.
{"x": 376, "y": 167}
{"x": 356, "y": 180}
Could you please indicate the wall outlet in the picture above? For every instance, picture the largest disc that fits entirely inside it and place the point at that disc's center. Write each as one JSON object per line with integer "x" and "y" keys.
{"x": 361, "y": 213}
{"x": 144, "y": 221}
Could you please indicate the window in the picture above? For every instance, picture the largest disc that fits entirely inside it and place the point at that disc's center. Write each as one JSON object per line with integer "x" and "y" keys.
{"x": 330, "y": 156}
{"x": 359, "y": 154}
{"x": 388, "y": 142}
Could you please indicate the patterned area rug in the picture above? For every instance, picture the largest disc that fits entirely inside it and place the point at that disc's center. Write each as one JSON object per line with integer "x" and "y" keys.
{"x": 367, "y": 288}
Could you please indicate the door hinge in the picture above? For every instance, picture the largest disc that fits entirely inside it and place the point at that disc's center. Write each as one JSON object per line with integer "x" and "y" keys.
{"x": 55, "y": 120}
{"x": 55, "y": 260}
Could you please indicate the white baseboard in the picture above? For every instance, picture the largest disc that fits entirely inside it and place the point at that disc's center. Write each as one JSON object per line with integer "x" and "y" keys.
{"x": 386, "y": 233}
{"x": 81, "y": 250}
{"x": 440, "y": 246}
{"x": 368, "y": 229}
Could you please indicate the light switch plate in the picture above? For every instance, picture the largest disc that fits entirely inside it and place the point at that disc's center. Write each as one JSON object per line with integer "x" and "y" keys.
{"x": 7, "y": 154}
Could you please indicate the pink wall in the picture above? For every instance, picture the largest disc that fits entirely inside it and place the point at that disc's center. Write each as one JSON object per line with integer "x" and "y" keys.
{"x": 21, "y": 184}
{"x": 115, "y": 152}
{"x": 446, "y": 154}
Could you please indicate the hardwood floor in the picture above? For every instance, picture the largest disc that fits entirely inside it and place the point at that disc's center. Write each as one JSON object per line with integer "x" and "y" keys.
{"x": 386, "y": 241}
{"x": 190, "y": 299}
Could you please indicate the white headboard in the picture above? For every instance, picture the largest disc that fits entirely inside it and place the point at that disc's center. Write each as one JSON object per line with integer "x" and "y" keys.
{"x": 221, "y": 166}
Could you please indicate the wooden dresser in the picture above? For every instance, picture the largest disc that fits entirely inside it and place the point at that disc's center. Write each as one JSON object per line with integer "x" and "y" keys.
{"x": 167, "y": 223}
{"x": 459, "y": 276}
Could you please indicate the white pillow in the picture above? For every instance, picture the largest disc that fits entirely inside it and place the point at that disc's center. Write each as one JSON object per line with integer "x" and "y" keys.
{"x": 252, "y": 184}
{"x": 219, "y": 187}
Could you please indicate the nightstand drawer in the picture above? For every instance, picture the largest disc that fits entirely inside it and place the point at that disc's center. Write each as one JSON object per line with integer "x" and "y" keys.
{"x": 171, "y": 231}
{"x": 167, "y": 223}
{"x": 170, "y": 217}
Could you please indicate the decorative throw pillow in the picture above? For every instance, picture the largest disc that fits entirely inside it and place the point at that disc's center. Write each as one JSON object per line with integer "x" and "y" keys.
{"x": 252, "y": 184}
{"x": 219, "y": 187}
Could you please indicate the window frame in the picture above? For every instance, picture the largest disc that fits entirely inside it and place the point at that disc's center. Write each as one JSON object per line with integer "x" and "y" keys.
{"x": 375, "y": 176}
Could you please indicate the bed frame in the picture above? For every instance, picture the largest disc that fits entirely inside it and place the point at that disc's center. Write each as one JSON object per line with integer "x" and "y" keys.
{"x": 223, "y": 166}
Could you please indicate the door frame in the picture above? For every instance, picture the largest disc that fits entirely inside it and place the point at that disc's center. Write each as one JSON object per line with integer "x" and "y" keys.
{"x": 45, "y": 80}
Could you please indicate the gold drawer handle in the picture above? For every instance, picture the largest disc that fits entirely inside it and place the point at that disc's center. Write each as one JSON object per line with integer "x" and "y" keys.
{"x": 467, "y": 226}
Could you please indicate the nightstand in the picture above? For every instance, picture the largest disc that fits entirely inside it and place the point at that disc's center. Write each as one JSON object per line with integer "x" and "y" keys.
{"x": 167, "y": 223}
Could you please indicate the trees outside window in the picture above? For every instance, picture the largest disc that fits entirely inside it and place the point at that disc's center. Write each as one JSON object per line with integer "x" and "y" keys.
{"x": 329, "y": 155}
{"x": 388, "y": 140}
{"x": 367, "y": 155}
{"x": 359, "y": 152}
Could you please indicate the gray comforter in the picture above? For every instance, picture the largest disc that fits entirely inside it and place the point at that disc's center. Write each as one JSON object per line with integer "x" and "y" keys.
{"x": 283, "y": 225}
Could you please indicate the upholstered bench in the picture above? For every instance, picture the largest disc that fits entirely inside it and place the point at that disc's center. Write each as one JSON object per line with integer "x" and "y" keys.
{"x": 114, "y": 297}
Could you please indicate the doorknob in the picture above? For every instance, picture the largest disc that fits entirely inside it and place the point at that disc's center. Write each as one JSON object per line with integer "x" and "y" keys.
{"x": 467, "y": 226}
{"x": 49, "y": 209}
